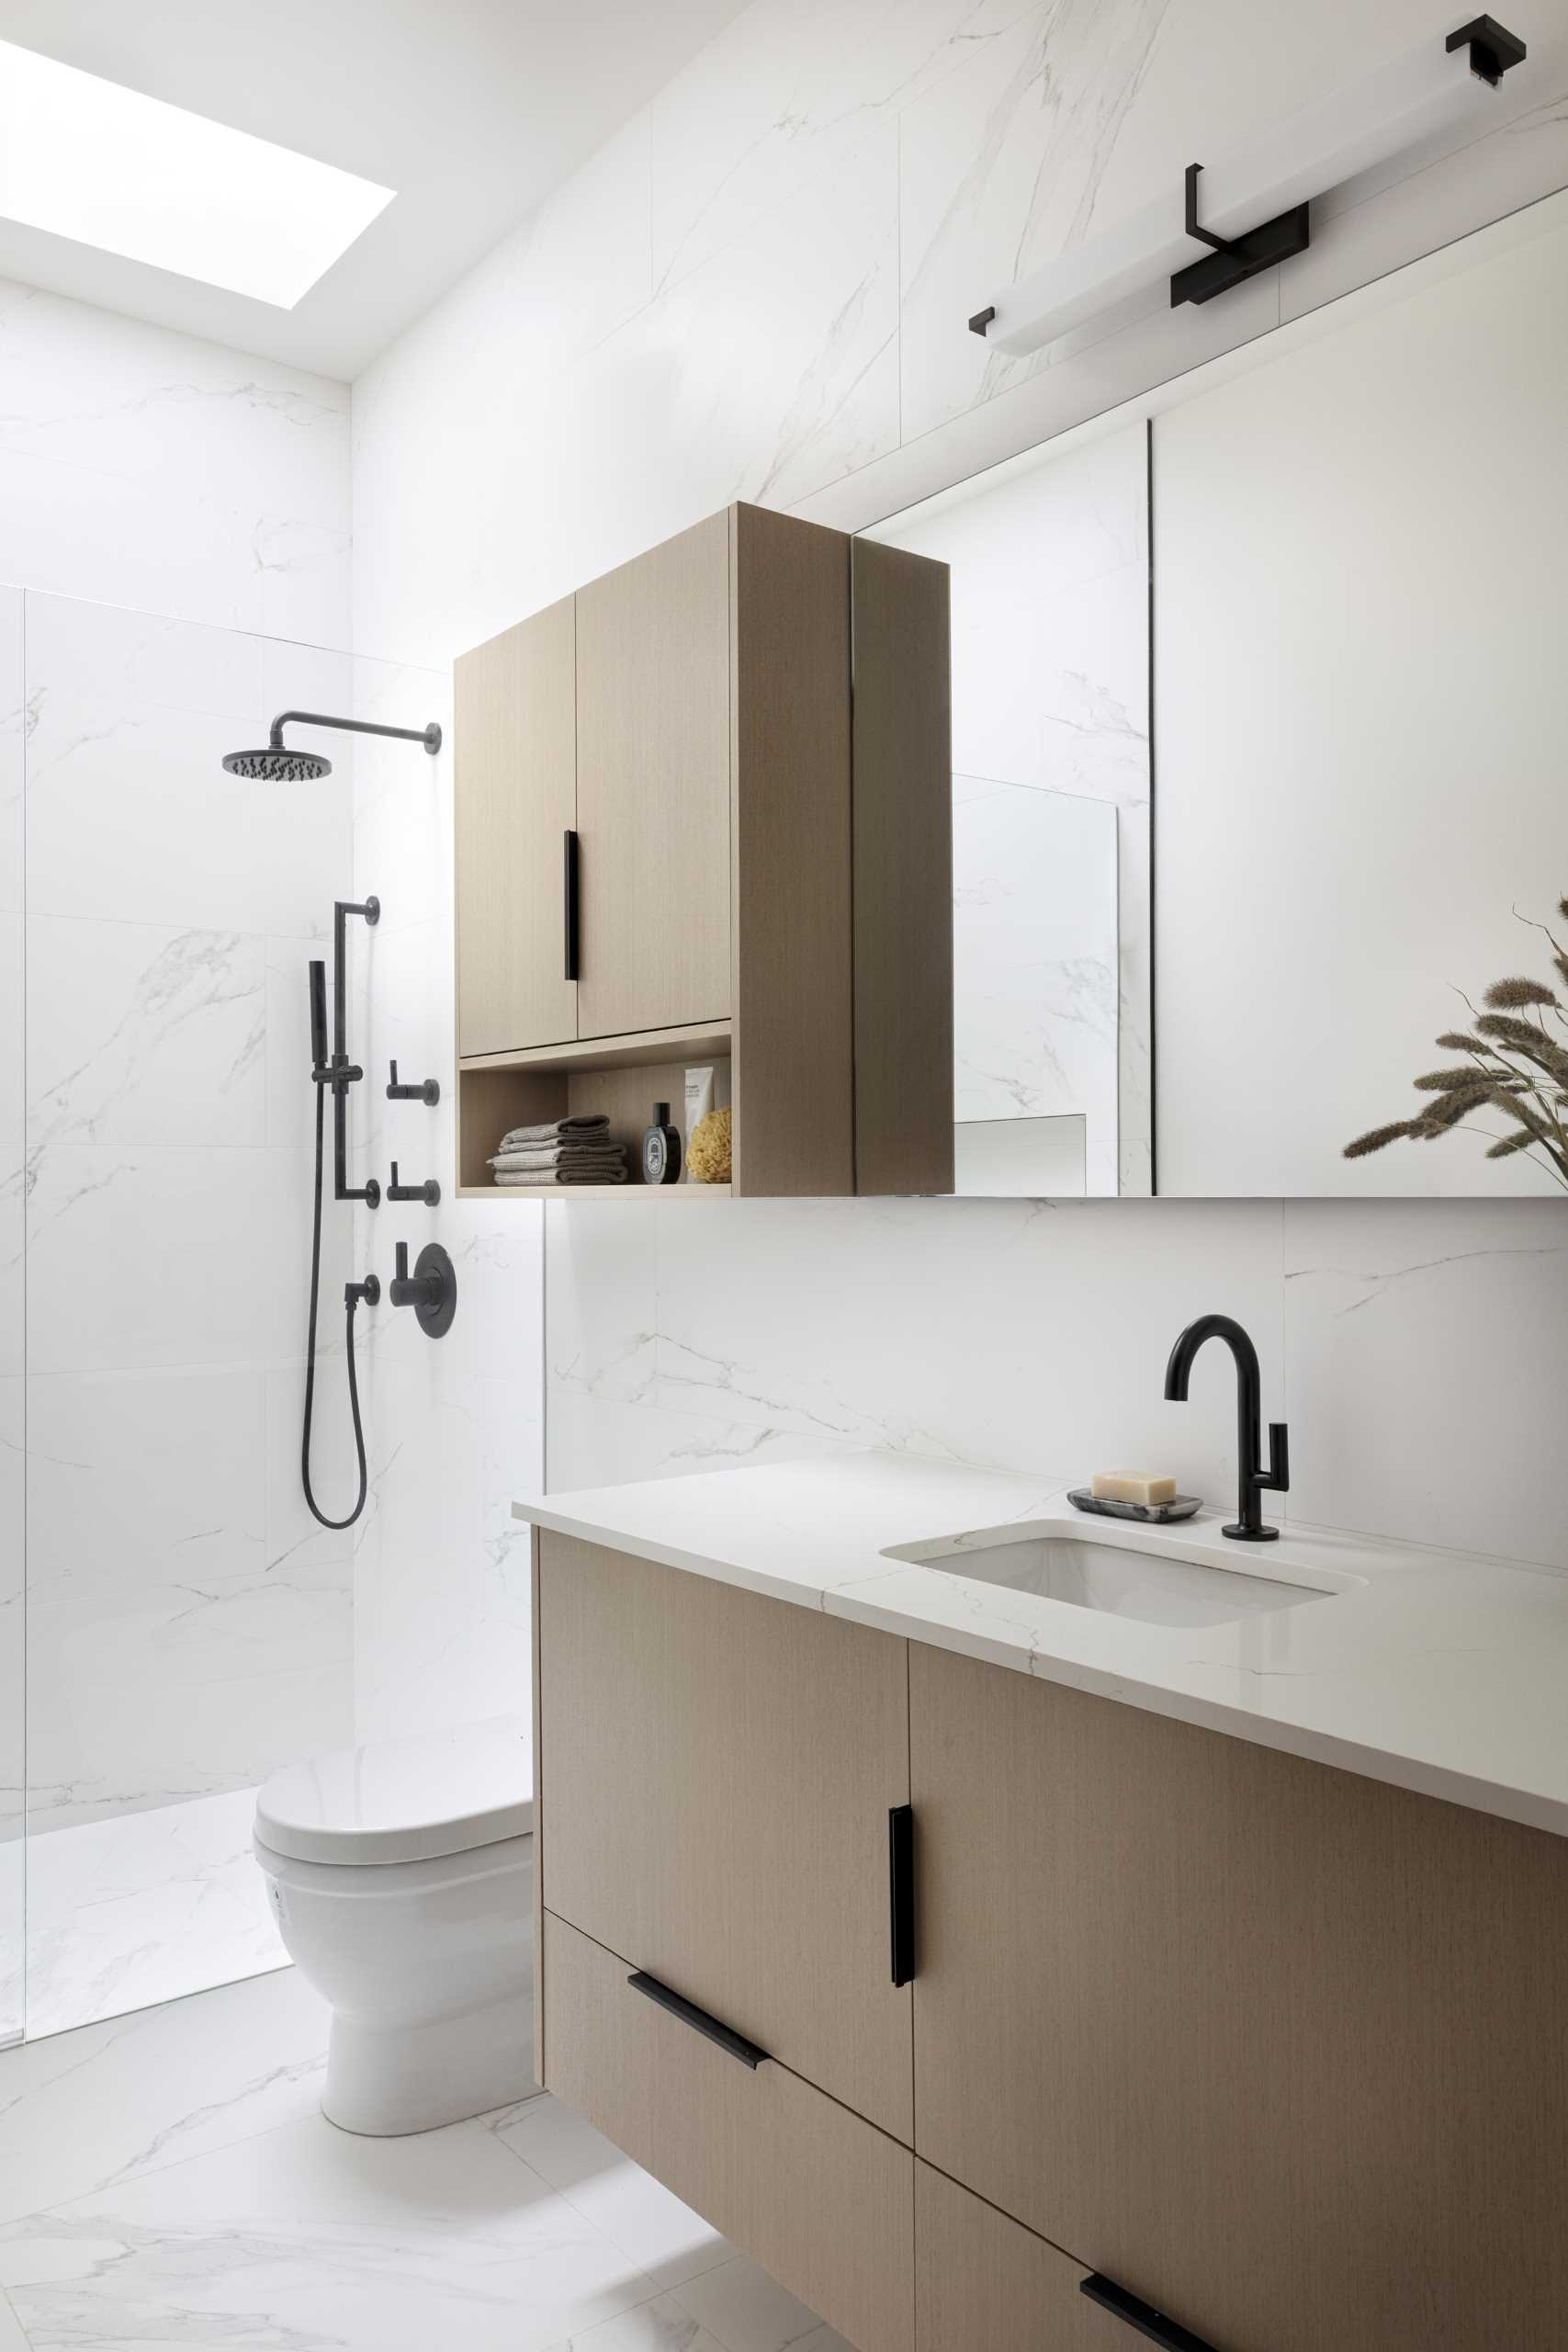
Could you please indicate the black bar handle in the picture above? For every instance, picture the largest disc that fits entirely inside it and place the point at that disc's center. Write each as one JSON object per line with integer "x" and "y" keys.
{"x": 569, "y": 877}
{"x": 1142, "y": 2318}
{"x": 698, "y": 2020}
{"x": 901, "y": 1891}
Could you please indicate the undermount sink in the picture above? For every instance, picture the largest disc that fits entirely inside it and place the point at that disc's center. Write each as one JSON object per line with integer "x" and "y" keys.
{"x": 1119, "y": 1581}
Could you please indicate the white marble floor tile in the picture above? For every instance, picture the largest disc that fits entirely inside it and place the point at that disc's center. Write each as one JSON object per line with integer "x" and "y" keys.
{"x": 664, "y": 2237}
{"x": 306, "y": 2237}
{"x": 11, "y": 2336}
{"x": 143, "y": 1907}
{"x": 83, "y": 2111}
{"x": 748, "y": 2312}
{"x": 663, "y": 2325}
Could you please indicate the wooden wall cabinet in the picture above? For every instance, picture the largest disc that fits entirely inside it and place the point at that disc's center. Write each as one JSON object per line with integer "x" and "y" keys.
{"x": 748, "y": 733}
{"x": 1276, "y": 2050}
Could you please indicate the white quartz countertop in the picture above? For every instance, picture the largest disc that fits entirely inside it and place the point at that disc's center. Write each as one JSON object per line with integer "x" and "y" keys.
{"x": 1437, "y": 1671}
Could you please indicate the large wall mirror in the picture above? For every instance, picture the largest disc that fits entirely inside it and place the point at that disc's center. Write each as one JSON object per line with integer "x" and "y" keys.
{"x": 1260, "y": 752}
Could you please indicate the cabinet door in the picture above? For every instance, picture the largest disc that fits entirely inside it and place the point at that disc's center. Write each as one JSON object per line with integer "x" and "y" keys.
{"x": 516, "y": 798}
{"x": 1277, "y": 2049}
{"x": 717, "y": 1770}
{"x": 653, "y": 787}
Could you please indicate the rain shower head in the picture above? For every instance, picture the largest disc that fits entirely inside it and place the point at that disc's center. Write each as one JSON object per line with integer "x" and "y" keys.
{"x": 279, "y": 764}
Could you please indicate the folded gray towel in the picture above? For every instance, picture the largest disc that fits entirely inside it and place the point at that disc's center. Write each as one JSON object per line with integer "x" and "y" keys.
{"x": 584, "y": 1127}
{"x": 546, "y": 1180}
{"x": 571, "y": 1155}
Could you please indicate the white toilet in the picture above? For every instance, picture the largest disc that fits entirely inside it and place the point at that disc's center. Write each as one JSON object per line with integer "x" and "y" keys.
{"x": 399, "y": 1875}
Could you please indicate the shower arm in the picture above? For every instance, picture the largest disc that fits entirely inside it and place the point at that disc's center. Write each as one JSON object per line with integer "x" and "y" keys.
{"x": 429, "y": 736}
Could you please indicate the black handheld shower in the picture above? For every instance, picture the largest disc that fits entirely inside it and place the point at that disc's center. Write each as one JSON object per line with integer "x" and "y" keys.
{"x": 317, "y": 1016}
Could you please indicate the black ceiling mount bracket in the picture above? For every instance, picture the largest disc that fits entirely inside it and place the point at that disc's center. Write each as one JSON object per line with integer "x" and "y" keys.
{"x": 982, "y": 320}
{"x": 1233, "y": 260}
{"x": 1494, "y": 50}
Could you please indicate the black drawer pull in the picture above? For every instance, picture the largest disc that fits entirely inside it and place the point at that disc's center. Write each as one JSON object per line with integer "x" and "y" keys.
{"x": 1142, "y": 2318}
{"x": 688, "y": 2014}
{"x": 901, "y": 1891}
{"x": 570, "y": 912}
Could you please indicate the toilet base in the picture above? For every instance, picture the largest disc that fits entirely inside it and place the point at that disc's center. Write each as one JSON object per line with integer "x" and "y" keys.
{"x": 386, "y": 2080}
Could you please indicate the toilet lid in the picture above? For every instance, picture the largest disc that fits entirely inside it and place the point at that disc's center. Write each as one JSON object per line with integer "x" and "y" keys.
{"x": 404, "y": 1800}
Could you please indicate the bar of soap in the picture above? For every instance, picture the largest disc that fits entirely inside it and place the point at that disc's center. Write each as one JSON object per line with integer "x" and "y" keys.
{"x": 1132, "y": 1487}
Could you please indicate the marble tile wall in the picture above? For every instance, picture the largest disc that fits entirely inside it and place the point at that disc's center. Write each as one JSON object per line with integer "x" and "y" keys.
{"x": 173, "y": 516}
{"x": 758, "y": 290}
{"x": 441, "y": 1604}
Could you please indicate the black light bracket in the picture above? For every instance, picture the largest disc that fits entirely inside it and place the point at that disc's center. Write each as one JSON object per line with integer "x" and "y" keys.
{"x": 1233, "y": 260}
{"x": 1494, "y": 50}
{"x": 982, "y": 320}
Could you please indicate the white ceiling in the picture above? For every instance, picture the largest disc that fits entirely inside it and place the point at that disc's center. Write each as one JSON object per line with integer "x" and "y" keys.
{"x": 471, "y": 110}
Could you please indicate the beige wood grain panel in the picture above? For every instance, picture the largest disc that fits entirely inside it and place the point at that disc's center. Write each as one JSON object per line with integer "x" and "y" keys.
{"x": 903, "y": 872}
{"x": 516, "y": 795}
{"x": 1278, "y": 2049}
{"x": 820, "y": 2198}
{"x": 984, "y": 2284}
{"x": 794, "y": 988}
{"x": 704, "y": 1043}
{"x": 538, "y": 1821}
{"x": 653, "y": 786}
{"x": 491, "y": 1102}
{"x": 720, "y": 1770}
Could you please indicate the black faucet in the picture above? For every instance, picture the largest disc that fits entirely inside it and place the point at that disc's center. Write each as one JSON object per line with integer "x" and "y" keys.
{"x": 1252, "y": 1477}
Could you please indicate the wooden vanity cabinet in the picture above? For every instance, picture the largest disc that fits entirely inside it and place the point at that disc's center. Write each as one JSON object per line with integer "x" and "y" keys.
{"x": 1278, "y": 2049}
{"x": 1275, "y": 2049}
{"x": 746, "y": 733}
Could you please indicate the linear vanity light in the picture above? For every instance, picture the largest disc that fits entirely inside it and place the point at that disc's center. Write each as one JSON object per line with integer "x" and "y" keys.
{"x": 1256, "y": 202}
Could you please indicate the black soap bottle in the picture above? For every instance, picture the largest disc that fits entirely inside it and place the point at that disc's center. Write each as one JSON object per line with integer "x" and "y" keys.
{"x": 661, "y": 1149}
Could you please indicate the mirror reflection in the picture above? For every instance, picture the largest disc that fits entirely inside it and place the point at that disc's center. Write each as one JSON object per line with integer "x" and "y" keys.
{"x": 1339, "y": 805}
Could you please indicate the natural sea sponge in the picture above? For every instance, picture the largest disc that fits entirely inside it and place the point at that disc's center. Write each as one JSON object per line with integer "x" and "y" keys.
{"x": 709, "y": 1153}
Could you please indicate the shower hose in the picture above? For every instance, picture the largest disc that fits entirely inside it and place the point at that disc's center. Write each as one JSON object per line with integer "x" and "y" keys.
{"x": 350, "y": 1302}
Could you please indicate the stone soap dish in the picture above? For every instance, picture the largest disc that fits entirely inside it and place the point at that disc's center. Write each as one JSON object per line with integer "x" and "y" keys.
{"x": 1153, "y": 1514}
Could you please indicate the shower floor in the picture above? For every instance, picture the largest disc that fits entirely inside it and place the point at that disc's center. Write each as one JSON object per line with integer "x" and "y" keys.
{"x": 142, "y": 1908}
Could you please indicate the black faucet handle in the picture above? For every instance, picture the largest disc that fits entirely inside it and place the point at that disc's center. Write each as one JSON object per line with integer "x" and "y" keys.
{"x": 429, "y": 1192}
{"x": 1278, "y": 1475}
{"x": 424, "y": 1090}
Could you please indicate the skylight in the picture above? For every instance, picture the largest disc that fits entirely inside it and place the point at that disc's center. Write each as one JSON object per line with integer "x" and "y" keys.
{"x": 94, "y": 161}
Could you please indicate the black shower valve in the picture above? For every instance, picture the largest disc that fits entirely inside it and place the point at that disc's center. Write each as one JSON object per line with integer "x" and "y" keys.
{"x": 424, "y": 1090}
{"x": 429, "y": 1192}
{"x": 431, "y": 1289}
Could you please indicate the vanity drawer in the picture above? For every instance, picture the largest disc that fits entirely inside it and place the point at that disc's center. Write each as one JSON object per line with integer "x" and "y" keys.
{"x": 820, "y": 2199}
{"x": 981, "y": 2279}
{"x": 717, "y": 1774}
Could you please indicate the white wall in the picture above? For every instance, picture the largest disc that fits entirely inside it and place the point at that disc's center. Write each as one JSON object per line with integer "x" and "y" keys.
{"x": 175, "y": 520}
{"x": 758, "y": 290}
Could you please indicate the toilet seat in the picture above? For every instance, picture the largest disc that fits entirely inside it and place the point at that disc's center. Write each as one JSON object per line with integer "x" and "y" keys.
{"x": 414, "y": 1800}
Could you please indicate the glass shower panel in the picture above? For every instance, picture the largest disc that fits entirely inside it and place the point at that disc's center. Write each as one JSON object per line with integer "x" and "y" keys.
{"x": 12, "y": 1364}
{"x": 188, "y": 1626}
